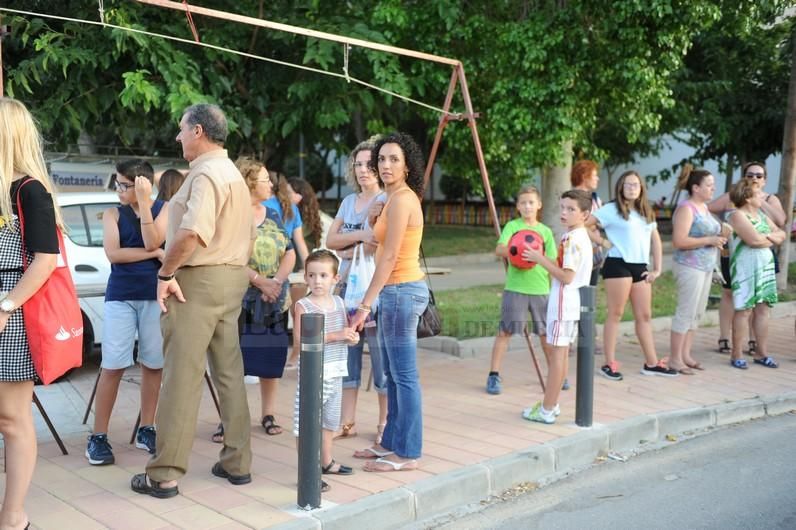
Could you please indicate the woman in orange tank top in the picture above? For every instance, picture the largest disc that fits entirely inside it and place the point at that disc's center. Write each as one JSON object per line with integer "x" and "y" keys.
{"x": 402, "y": 296}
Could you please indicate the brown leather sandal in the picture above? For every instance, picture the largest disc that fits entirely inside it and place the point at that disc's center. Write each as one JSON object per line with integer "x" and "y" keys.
{"x": 347, "y": 431}
{"x": 379, "y": 432}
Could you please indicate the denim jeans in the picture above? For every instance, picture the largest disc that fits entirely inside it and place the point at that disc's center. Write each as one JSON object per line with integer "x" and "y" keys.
{"x": 400, "y": 307}
{"x": 354, "y": 377}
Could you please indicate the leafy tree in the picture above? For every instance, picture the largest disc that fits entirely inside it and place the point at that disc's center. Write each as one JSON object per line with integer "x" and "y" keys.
{"x": 730, "y": 85}
{"x": 543, "y": 74}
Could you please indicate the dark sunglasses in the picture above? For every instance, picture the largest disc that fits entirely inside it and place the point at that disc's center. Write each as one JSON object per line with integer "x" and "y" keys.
{"x": 755, "y": 175}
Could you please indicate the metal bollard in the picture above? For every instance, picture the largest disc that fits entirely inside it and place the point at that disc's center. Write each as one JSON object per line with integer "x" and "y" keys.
{"x": 584, "y": 392}
{"x": 310, "y": 399}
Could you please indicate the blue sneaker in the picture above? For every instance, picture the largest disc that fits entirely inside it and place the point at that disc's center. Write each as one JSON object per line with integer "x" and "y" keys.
{"x": 565, "y": 386}
{"x": 145, "y": 439}
{"x": 99, "y": 451}
{"x": 493, "y": 384}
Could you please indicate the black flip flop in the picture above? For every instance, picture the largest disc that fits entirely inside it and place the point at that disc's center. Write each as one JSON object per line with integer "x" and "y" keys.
{"x": 270, "y": 426}
{"x": 341, "y": 469}
{"x": 237, "y": 480}
{"x": 141, "y": 483}
{"x": 218, "y": 436}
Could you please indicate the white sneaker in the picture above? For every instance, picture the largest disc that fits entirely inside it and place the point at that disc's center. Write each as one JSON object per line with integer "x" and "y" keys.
{"x": 536, "y": 414}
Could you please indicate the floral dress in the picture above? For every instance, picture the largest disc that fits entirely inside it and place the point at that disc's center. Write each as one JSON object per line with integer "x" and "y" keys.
{"x": 752, "y": 269}
{"x": 263, "y": 325}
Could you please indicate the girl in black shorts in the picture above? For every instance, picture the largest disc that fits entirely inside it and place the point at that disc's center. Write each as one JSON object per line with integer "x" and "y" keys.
{"x": 629, "y": 223}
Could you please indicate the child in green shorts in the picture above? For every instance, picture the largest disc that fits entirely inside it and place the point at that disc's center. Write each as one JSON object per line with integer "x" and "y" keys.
{"x": 526, "y": 290}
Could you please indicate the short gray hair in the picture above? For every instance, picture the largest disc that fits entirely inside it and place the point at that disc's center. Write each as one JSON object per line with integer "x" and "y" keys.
{"x": 212, "y": 120}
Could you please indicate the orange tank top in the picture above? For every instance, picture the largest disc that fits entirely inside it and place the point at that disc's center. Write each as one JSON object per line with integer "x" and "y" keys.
{"x": 407, "y": 266}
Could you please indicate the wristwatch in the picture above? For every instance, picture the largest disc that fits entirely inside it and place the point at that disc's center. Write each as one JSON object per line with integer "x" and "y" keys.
{"x": 166, "y": 278}
{"x": 7, "y": 305}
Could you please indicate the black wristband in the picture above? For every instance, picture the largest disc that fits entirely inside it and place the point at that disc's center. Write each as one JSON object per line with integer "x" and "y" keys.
{"x": 166, "y": 278}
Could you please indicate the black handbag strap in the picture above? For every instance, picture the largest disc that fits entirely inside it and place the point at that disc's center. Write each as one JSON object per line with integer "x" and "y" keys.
{"x": 428, "y": 279}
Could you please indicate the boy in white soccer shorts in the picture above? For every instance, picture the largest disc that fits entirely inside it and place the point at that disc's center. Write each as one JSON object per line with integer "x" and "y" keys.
{"x": 571, "y": 272}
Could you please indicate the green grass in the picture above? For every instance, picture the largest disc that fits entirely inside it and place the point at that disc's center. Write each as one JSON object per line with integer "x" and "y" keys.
{"x": 450, "y": 240}
{"x": 475, "y": 312}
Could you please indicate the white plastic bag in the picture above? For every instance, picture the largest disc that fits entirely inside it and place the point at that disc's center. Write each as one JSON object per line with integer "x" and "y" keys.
{"x": 359, "y": 275}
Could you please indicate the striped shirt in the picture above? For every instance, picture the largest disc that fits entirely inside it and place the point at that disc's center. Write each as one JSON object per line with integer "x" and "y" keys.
{"x": 335, "y": 354}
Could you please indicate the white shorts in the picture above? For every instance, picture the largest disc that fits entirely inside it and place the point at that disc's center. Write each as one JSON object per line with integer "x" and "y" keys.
{"x": 331, "y": 405}
{"x": 122, "y": 322}
{"x": 561, "y": 332}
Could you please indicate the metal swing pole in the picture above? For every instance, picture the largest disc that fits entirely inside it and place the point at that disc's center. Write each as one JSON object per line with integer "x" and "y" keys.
{"x": 457, "y": 76}
{"x": 470, "y": 116}
{"x": 468, "y": 105}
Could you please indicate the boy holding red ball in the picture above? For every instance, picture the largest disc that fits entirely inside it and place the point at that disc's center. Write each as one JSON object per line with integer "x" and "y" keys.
{"x": 570, "y": 272}
{"x": 527, "y": 286}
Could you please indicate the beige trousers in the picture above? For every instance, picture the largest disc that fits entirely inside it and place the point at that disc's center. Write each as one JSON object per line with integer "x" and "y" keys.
{"x": 693, "y": 289}
{"x": 202, "y": 329}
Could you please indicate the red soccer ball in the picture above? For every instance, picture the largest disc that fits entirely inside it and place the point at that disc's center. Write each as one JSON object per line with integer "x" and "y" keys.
{"x": 517, "y": 244}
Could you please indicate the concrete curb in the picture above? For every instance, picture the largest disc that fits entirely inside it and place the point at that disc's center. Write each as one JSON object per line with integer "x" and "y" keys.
{"x": 439, "y": 495}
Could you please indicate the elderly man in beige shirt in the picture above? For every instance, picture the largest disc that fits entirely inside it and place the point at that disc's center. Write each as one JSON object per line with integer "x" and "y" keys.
{"x": 200, "y": 287}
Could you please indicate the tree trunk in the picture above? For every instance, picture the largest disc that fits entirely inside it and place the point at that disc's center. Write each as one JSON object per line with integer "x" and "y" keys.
{"x": 85, "y": 144}
{"x": 359, "y": 126}
{"x": 730, "y": 170}
{"x": 787, "y": 174}
{"x": 555, "y": 181}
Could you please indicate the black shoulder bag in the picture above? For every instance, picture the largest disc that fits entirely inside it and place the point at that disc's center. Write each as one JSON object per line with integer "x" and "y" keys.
{"x": 430, "y": 324}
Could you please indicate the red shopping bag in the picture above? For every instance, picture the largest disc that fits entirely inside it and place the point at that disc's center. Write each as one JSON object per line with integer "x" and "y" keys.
{"x": 53, "y": 322}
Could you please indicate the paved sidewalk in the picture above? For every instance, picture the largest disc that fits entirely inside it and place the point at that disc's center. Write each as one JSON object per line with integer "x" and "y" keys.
{"x": 462, "y": 426}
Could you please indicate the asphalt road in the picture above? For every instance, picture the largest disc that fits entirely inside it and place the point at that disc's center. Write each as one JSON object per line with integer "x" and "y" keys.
{"x": 743, "y": 477}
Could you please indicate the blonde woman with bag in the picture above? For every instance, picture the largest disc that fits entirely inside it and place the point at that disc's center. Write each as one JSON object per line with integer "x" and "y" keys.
{"x": 21, "y": 160}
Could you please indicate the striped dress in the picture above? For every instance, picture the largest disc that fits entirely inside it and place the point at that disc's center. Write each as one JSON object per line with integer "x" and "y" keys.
{"x": 752, "y": 269}
{"x": 335, "y": 364}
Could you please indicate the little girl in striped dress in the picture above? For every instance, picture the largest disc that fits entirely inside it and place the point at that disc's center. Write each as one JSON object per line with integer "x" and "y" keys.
{"x": 320, "y": 275}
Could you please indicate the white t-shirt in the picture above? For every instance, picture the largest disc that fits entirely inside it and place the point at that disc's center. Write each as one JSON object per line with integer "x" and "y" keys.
{"x": 574, "y": 253}
{"x": 354, "y": 220}
{"x": 630, "y": 237}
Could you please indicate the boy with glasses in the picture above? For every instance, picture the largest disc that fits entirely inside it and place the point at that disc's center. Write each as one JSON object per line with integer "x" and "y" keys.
{"x": 134, "y": 233}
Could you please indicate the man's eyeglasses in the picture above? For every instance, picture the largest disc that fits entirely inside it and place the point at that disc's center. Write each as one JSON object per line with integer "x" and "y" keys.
{"x": 755, "y": 175}
{"x": 121, "y": 186}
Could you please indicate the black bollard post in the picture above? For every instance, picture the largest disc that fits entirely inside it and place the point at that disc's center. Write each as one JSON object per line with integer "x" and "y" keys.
{"x": 584, "y": 393}
{"x": 311, "y": 390}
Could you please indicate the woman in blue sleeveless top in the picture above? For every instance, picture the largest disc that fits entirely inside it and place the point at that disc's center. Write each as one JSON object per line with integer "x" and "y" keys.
{"x": 134, "y": 233}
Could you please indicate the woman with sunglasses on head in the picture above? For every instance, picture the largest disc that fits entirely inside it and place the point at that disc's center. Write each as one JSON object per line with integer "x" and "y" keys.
{"x": 629, "y": 223}
{"x": 771, "y": 207}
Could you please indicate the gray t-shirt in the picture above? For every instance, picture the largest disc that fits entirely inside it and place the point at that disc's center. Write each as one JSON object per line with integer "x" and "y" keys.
{"x": 354, "y": 220}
